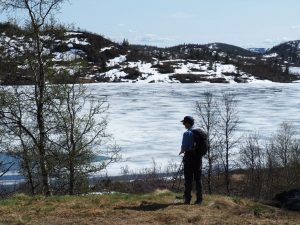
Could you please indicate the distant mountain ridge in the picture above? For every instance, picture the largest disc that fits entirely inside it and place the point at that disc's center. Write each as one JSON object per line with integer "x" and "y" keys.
{"x": 94, "y": 58}
{"x": 258, "y": 50}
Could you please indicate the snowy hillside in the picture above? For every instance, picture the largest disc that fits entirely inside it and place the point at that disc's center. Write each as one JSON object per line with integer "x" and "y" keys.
{"x": 93, "y": 58}
{"x": 173, "y": 71}
{"x": 288, "y": 52}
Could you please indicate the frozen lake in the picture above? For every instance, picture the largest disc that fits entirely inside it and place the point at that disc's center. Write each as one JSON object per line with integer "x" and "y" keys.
{"x": 145, "y": 118}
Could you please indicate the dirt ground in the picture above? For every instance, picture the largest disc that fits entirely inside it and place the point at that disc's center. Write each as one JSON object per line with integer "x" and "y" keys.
{"x": 156, "y": 208}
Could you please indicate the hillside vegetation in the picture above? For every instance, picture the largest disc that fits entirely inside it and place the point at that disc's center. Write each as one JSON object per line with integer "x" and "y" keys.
{"x": 156, "y": 208}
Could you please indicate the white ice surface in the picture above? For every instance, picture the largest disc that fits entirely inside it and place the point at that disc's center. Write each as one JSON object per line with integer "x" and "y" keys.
{"x": 144, "y": 118}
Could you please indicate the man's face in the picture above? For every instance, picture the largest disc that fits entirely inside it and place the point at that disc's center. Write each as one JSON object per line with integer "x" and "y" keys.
{"x": 186, "y": 125}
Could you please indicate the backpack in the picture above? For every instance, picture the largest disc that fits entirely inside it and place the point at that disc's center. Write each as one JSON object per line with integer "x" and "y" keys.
{"x": 200, "y": 141}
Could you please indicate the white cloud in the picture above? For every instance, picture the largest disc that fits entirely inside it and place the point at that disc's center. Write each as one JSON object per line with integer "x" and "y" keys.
{"x": 250, "y": 45}
{"x": 295, "y": 27}
{"x": 285, "y": 39}
{"x": 132, "y": 31}
{"x": 273, "y": 42}
{"x": 269, "y": 41}
{"x": 182, "y": 15}
{"x": 153, "y": 38}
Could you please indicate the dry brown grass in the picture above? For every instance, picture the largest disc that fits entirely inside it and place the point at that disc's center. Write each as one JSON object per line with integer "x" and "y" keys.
{"x": 156, "y": 208}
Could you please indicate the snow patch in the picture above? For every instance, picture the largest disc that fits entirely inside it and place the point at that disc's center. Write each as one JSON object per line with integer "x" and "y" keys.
{"x": 294, "y": 70}
{"x": 73, "y": 33}
{"x": 115, "y": 73}
{"x": 106, "y": 48}
{"x": 77, "y": 41}
{"x": 272, "y": 55}
{"x": 67, "y": 56}
{"x": 116, "y": 61}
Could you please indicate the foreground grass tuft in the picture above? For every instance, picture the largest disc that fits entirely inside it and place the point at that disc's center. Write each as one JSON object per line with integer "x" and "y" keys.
{"x": 155, "y": 208}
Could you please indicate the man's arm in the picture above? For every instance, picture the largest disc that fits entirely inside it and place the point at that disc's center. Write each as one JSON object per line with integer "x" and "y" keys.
{"x": 182, "y": 150}
{"x": 185, "y": 143}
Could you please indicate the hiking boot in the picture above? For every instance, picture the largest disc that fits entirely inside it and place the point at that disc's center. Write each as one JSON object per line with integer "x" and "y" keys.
{"x": 198, "y": 202}
{"x": 187, "y": 198}
{"x": 187, "y": 202}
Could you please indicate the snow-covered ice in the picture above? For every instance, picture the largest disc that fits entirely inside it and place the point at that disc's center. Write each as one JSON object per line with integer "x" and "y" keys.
{"x": 144, "y": 118}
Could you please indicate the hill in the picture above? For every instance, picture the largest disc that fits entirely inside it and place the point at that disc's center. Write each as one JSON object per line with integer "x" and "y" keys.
{"x": 231, "y": 50}
{"x": 288, "y": 52}
{"x": 94, "y": 58}
{"x": 156, "y": 208}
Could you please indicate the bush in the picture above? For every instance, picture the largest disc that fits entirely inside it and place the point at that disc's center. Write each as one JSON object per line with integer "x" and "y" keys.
{"x": 192, "y": 78}
{"x": 132, "y": 73}
{"x": 164, "y": 68}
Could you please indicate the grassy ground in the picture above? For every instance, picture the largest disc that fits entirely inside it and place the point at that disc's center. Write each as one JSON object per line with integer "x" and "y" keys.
{"x": 155, "y": 208}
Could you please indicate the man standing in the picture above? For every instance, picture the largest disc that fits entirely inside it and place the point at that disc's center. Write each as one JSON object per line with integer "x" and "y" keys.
{"x": 192, "y": 162}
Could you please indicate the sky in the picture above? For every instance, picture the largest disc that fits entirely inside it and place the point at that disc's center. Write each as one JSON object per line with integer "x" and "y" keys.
{"x": 246, "y": 23}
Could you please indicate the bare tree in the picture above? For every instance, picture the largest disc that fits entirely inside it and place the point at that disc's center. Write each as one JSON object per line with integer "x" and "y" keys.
{"x": 282, "y": 161}
{"x": 295, "y": 162}
{"x": 38, "y": 13}
{"x": 285, "y": 148}
{"x": 252, "y": 158}
{"x": 228, "y": 125}
{"x": 207, "y": 111}
{"x": 19, "y": 138}
{"x": 5, "y": 167}
{"x": 80, "y": 133}
{"x": 270, "y": 165}
{"x": 284, "y": 141}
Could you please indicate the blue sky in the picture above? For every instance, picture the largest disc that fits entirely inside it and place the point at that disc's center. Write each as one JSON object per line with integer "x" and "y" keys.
{"x": 247, "y": 23}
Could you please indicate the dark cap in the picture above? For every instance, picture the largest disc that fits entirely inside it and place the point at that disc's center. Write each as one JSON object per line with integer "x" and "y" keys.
{"x": 188, "y": 119}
